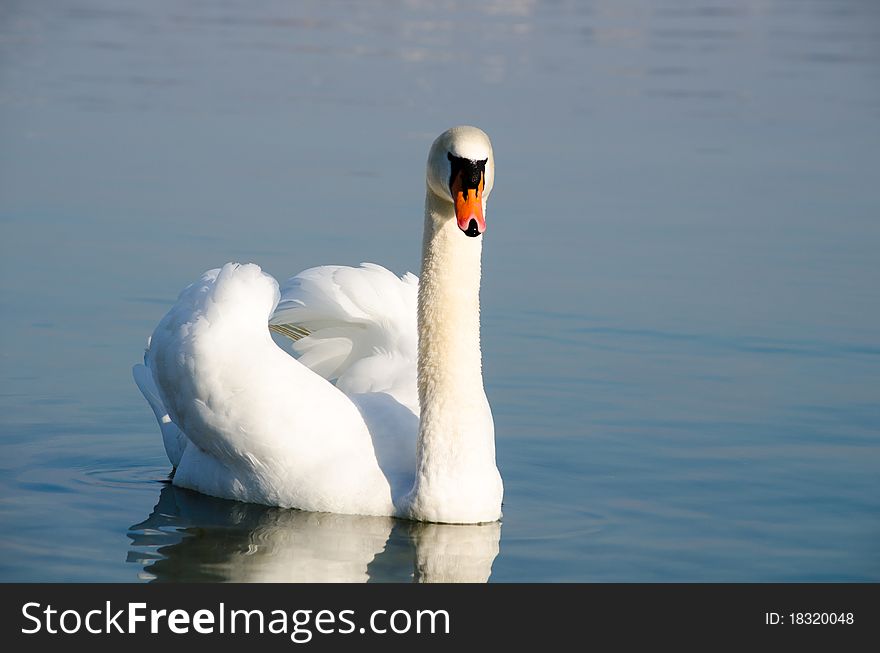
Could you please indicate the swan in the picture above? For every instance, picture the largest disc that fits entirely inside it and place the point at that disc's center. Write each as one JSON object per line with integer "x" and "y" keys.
{"x": 349, "y": 390}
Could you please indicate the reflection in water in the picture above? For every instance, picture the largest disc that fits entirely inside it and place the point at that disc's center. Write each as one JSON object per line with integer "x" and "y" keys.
{"x": 191, "y": 537}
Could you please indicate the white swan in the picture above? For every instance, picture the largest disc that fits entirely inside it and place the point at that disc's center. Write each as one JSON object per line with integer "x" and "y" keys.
{"x": 337, "y": 427}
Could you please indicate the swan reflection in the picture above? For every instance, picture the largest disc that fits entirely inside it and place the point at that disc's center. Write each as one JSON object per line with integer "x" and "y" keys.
{"x": 192, "y": 537}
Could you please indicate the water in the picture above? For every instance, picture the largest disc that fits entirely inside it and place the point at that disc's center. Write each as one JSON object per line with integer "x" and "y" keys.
{"x": 680, "y": 316}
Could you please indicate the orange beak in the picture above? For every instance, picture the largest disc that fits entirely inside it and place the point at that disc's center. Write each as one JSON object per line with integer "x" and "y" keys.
{"x": 468, "y": 207}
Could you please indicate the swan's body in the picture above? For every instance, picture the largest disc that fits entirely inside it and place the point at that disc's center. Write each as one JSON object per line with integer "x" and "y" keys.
{"x": 380, "y": 410}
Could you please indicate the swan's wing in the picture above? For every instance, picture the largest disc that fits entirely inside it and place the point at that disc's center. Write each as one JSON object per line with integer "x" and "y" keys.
{"x": 261, "y": 427}
{"x": 173, "y": 438}
{"x": 353, "y": 326}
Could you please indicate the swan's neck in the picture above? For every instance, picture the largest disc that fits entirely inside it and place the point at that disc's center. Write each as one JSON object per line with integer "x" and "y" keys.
{"x": 449, "y": 370}
{"x": 456, "y": 447}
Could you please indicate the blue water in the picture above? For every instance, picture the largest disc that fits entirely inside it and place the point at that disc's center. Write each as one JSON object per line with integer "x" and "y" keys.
{"x": 681, "y": 326}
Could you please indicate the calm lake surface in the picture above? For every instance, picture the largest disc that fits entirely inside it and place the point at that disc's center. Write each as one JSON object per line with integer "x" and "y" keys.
{"x": 681, "y": 326}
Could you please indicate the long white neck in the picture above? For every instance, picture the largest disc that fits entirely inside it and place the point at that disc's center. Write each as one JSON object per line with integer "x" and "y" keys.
{"x": 456, "y": 477}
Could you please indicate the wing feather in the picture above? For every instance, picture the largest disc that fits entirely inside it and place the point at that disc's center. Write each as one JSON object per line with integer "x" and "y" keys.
{"x": 353, "y": 326}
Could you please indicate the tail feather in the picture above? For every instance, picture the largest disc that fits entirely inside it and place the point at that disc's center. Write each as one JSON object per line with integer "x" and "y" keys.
{"x": 174, "y": 439}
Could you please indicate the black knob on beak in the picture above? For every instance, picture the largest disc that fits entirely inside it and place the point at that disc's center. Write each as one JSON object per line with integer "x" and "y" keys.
{"x": 473, "y": 230}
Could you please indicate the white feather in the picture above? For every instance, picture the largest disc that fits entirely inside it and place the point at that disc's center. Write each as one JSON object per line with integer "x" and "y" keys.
{"x": 172, "y": 437}
{"x": 362, "y": 328}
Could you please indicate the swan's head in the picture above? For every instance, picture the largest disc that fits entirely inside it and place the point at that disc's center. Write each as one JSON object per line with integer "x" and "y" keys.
{"x": 461, "y": 170}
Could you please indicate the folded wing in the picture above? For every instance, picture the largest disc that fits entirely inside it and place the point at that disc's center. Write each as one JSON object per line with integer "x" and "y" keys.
{"x": 355, "y": 327}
